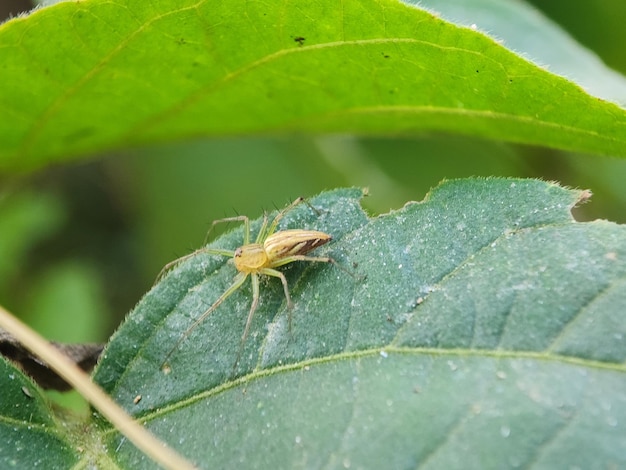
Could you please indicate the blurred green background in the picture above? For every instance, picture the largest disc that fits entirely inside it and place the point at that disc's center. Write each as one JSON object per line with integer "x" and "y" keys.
{"x": 80, "y": 244}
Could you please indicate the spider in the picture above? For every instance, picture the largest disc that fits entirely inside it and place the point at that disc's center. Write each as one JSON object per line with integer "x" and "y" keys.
{"x": 271, "y": 249}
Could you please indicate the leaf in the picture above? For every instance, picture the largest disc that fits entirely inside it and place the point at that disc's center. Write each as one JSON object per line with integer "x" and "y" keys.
{"x": 30, "y": 436}
{"x": 88, "y": 77}
{"x": 524, "y": 29}
{"x": 488, "y": 332}
{"x": 25, "y": 219}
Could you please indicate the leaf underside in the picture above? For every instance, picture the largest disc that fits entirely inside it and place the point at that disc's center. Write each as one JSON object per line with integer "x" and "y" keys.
{"x": 82, "y": 78}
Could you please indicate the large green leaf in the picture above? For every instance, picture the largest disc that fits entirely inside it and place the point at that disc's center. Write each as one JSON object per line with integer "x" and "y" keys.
{"x": 486, "y": 330}
{"x": 86, "y": 77}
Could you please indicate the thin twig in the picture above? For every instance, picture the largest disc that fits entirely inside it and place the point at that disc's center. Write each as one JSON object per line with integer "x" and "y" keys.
{"x": 137, "y": 434}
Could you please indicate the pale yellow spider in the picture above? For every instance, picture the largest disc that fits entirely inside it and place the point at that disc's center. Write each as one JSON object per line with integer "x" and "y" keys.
{"x": 270, "y": 250}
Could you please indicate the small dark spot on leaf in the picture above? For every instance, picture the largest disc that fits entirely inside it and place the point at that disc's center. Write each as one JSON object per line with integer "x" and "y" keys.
{"x": 79, "y": 134}
{"x": 300, "y": 40}
{"x": 385, "y": 55}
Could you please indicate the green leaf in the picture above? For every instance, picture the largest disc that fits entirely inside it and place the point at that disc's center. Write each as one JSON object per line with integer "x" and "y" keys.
{"x": 485, "y": 330}
{"x": 87, "y": 77}
{"x": 30, "y": 435}
{"x": 25, "y": 219}
{"x": 523, "y": 29}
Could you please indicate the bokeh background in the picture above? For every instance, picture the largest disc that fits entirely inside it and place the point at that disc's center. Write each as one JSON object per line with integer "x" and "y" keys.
{"x": 81, "y": 243}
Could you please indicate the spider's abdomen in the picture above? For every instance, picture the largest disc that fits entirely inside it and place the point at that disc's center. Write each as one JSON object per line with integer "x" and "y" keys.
{"x": 293, "y": 242}
{"x": 250, "y": 258}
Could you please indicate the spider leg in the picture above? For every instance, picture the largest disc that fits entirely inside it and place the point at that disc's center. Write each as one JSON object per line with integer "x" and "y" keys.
{"x": 253, "y": 307}
{"x": 239, "y": 218}
{"x": 263, "y": 233}
{"x": 239, "y": 280}
{"x": 282, "y": 213}
{"x": 210, "y": 251}
{"x": 283, "y": 279}
{"x": 315, "y": 259}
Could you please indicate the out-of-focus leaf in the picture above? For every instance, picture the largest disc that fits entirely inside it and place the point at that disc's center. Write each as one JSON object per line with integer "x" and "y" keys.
{"x": 25, "y": 219}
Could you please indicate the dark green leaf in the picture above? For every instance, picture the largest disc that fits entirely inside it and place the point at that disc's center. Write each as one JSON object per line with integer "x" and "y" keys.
{"x": 30, "y": 437}
{"x": 487, "y": 332}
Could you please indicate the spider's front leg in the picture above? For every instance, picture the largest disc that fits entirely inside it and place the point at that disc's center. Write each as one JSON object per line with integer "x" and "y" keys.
{"x": 239, "y": 218}
{"x": 208, "y": 251}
